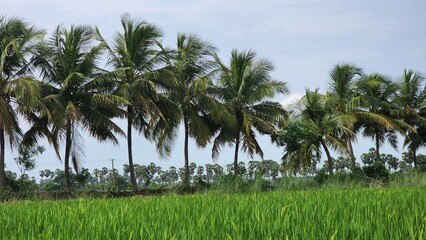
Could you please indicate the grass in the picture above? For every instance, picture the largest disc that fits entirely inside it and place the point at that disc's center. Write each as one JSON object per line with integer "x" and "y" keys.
{"x": 391, "y": 213}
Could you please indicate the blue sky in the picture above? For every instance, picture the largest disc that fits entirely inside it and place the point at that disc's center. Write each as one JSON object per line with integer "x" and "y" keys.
{"x": 304, "y": 39}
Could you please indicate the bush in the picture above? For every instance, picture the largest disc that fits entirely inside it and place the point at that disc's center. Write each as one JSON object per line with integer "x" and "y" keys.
{"x": 408, "y": 179}
{"x": 341, "y": 177}
{"x": 261, "y": 185}
{"x": 321, "y": 177}
{"x": 296, "y": 183}
{"x": 358, "y": 175}
{"x": 377, "y": 171}
{"x": 421, "y": 164}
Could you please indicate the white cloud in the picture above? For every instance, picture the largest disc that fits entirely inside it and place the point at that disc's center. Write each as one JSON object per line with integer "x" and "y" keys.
{"x": 291, "y": 100}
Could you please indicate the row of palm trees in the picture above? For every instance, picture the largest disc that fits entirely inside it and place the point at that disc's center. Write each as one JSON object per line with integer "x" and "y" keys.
{"x": 372, "y": 105}
{"x": 58, "y": 86}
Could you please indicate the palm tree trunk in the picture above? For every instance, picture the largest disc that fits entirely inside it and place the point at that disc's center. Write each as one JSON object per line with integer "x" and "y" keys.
{"x": 186, "y": 155}
{"x": 351, "y": 154}
{"x": 329, "y": 158}
{"x": 129, "y": 149}
{"x": 377, "y": 147}
{"x": 2, "y": 159}
{"x": 414, "y": 157}
{"x": 237, "y": 147}
{"x": 67, "y": 156}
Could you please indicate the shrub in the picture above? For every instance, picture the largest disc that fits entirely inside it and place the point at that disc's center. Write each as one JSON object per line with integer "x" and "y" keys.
{"x": 321, "y": 176}
{"x": 358, "y": 175}
{"x": 377, "y": 171}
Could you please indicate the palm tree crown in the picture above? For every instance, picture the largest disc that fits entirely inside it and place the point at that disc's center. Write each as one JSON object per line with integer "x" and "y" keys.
{"x": 412, "y": 101}
{"x": 78, "y": 88}
{"x": 328, "y": 126}
{"x": 190, "y": 68}
{"x": 19, "y": 92}
{"x": 378, "y": 95}
{"x": 137, "y": 67}
{"x": 245, "y": 85}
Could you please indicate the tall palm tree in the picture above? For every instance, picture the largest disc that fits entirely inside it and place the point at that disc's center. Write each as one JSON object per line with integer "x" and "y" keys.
{"x": 412, "y": 100}
{"x": 328, "y": 126}
{"x": 189, "y": 67}
{"x": 416, "y": 140}
{"x": 343, "y": 99}
{"x": 378, "y": 94}
{"x": 19, "y": 91}
{"x": 137, "y": 65}
{"x": 245, "y": 86}
{"x": 78, "y": 87}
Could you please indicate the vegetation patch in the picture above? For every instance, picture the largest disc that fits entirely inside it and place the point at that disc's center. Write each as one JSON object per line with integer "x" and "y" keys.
{"x": 392, "y": 213}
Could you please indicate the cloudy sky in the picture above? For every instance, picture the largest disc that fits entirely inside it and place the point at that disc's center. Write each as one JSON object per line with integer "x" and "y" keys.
{"x": 303, "y": 38}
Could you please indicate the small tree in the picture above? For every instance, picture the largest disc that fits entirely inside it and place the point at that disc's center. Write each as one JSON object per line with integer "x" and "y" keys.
{"x": 391, "y": 161}
{"x": 296, "y": 139}
{"x": 26, "y": 157}
{"x": 370, "y": 157}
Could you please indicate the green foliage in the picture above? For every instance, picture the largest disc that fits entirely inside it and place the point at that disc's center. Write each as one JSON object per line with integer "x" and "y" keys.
{"x": 421, "y": 162}
{"x": 76, "y": 92}
{"x": 377, "y": 171}
{"x": 378, "y": 96}
{"x": 135, "y": 60}
{"x": 388, "y": 160}
{"x": 395, "y": 213}
{"x": 412, "y": 99}
{"x": 189, "y": 72}
{"x": 370, "y": 157}
{"x": 314, "y": 109}
{"x": 156, "y": 88}
{"x": 295, "y": 135}
{"x": 296, "y": 183}
{"x": 26, "y": 157}
{"x": 19, "y": 92}
{"x": 23, "y": 184}
{"x": 229, "y": 184}
{"x": 297, "y": 139}
{"x": 407, "y": 179}
{"x": 358, "y": 175}
{"x": 246, "y": 87}
{"x": 321, "y": 177}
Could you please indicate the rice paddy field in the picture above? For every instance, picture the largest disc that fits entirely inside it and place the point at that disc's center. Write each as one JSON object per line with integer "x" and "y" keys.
{"x": 391, "y": 213}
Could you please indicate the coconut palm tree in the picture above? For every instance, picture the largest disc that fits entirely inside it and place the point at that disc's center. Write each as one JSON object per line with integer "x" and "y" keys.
{"x": 378, "y": 94}
{"x": 245, "y": 86}
{"x": 341, "y": 88}
{"x": 137, "y": 65}
{"x": 78, "y": 88}
{"x": 314, "y": 111}
{"x": 327, "y": 125}
{"x": 412, "y": 100}
{"x": 189, "y": 67}
{"x": 19, "y": 92}
{"x": 346, "y": 99}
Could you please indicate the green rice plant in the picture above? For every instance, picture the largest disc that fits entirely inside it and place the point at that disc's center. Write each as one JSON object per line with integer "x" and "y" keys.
{"x": 408, "y": 179}
{"x": 391, "y": 213}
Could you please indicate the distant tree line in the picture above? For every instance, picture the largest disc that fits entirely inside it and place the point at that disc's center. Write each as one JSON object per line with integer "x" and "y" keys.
{"x": 151, "y": 176}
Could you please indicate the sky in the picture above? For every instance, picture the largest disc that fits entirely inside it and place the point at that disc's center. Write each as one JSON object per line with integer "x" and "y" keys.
{"x": 304, "y": 39}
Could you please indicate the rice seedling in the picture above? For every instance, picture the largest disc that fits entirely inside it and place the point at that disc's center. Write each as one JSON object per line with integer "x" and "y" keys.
{"x": 394, "y": 213}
